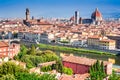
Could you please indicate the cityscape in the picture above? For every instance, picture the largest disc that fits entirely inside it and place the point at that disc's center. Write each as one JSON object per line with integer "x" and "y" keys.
{"x": 59, "y": 40}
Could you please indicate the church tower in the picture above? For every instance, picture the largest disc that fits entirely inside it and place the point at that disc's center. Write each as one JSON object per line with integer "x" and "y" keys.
{"x": 76, "y": 17}
{"x": 27, "y": 14}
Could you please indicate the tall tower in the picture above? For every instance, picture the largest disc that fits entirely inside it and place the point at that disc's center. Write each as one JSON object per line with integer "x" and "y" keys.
{"x": 80, "y": 20}
{"x": 76, "y": 17}
{"x": 27, "y": 14}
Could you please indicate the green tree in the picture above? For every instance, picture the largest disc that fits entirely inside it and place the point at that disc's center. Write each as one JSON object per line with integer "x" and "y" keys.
{"x": 97, "y": 71}
{"x": 68, "y": 71}
{"x": 46, "y": 68}
{"x": 23, "y": 51}
{"x": 32, "y": 50}
{"x": 27, "y": 76}
{"x": 114, "y": 76}
{"x": 59, "y": 66}
{"x": 10, "y": 68}
{"x": 8, "y": 77}
{"x": 47, "y": 77}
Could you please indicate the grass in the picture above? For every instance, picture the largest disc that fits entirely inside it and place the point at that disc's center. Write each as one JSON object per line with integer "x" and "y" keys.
{"x": 72, "y": 50}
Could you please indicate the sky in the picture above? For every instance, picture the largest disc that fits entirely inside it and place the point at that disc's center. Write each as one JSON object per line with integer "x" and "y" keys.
{"x": 58, "y": 8}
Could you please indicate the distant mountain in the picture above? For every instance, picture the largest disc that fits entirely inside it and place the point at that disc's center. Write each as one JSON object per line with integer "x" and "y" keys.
{"x": 111, "y": 15}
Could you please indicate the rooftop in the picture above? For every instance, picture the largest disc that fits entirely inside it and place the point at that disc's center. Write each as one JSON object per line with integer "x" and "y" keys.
{"x": 3, "y": 44}
{"x": 82, "y": 60}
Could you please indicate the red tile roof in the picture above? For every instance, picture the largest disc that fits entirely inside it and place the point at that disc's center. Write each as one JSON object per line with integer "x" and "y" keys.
{"x": 3, "y": 44}
{"x": 97, "y": 13}
{"x": 82, "y": 60}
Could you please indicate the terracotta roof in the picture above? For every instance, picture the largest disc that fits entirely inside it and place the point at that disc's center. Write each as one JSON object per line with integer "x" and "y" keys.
{"x": 74, "y": 77}
{"x": 3, "y": 56}
{"x": 72, "y": 18}
{"x": 3, "y": 44}
{"x": 82, "y": 60}
{"x": 47, "y": 63}
{"x": 96, "y": 13}
{"x": 107, "y": 40}
{"x": 95, "y": 37}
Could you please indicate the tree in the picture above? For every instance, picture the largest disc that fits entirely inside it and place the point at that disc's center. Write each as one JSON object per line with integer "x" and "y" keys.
{"x": 46, "y": 68}
{"x": 103, "y": 69}
{"x": 59, "y": 66}
{"x": 23, "y": 51}
{"x": 8, "y": 77}
{"x": 68, "y": 71}
{"x": 10, "y": 68}
{"x": 97, "y": 71}
{"x": 47, "y": 77}
{"x": 114, "y": 76}
{"x": 27, "y": 76}
{"x": 32, "y": 50}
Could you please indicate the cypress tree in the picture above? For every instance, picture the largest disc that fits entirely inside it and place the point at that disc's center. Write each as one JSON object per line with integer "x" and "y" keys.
{"x": 103, "y": 69}
{"x": 32, "y": 51}
{"x": 97, "y": 71}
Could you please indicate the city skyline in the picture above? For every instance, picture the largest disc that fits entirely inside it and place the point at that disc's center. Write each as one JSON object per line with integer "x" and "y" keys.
{"x": 58, "y": 8}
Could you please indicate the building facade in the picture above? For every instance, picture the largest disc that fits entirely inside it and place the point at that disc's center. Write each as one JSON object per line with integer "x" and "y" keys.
{"x": 81, "y": 65}
{"x": 8, "y": 51}
{"x": 101, "y": 43}
{"x": 107, "y": 44}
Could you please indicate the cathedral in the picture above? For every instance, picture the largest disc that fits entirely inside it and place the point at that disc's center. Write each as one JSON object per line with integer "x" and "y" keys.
{"x": 96, "y": 18}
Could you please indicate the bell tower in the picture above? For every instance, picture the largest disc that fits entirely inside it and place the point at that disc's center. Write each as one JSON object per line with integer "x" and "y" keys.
{"x": 27, "y": 14}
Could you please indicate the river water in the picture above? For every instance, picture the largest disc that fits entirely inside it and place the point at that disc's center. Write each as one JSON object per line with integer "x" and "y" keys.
{"x": 94, "y": 56}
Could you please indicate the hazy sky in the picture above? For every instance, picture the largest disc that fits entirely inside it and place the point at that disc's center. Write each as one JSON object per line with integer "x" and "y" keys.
{"x": 58, "y": 8}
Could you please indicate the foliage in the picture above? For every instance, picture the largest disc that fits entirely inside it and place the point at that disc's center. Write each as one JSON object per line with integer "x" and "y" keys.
{"x": 10, "y": 68}
{"x": 97, "y": 71}
{"x": 11, "y": 71}
{"x": 71, "y": 50}
{"x": 46, "y": 68}
{"x": 32, "y": 58}
{"x": 68, "y": 71}
{"x": 32, "y": 61}
{"x": 59, "y": 66}
{"x": 8, "y": 77}
{"x": 27, "y": 76}
{"x": 114, "y": 76}
{"x": 33, "y": 76}
{"x": 64, "y": 41}
{"x": 23, "y": 51}
{"x": 32, "y": 50}
{"x": 47, "y": 77}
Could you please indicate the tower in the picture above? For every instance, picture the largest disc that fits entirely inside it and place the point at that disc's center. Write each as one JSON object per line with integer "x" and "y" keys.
{"x": 76, "y": 17}
{"x": 27, "y": 14}
{"x": 80, "y": 20}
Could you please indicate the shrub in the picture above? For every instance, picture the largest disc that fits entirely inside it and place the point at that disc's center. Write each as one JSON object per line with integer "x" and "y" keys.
{"x": 68, "y": 71}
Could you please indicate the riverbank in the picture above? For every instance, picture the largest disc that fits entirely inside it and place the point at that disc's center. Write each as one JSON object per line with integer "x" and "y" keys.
{"x": 72, "y": 50}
